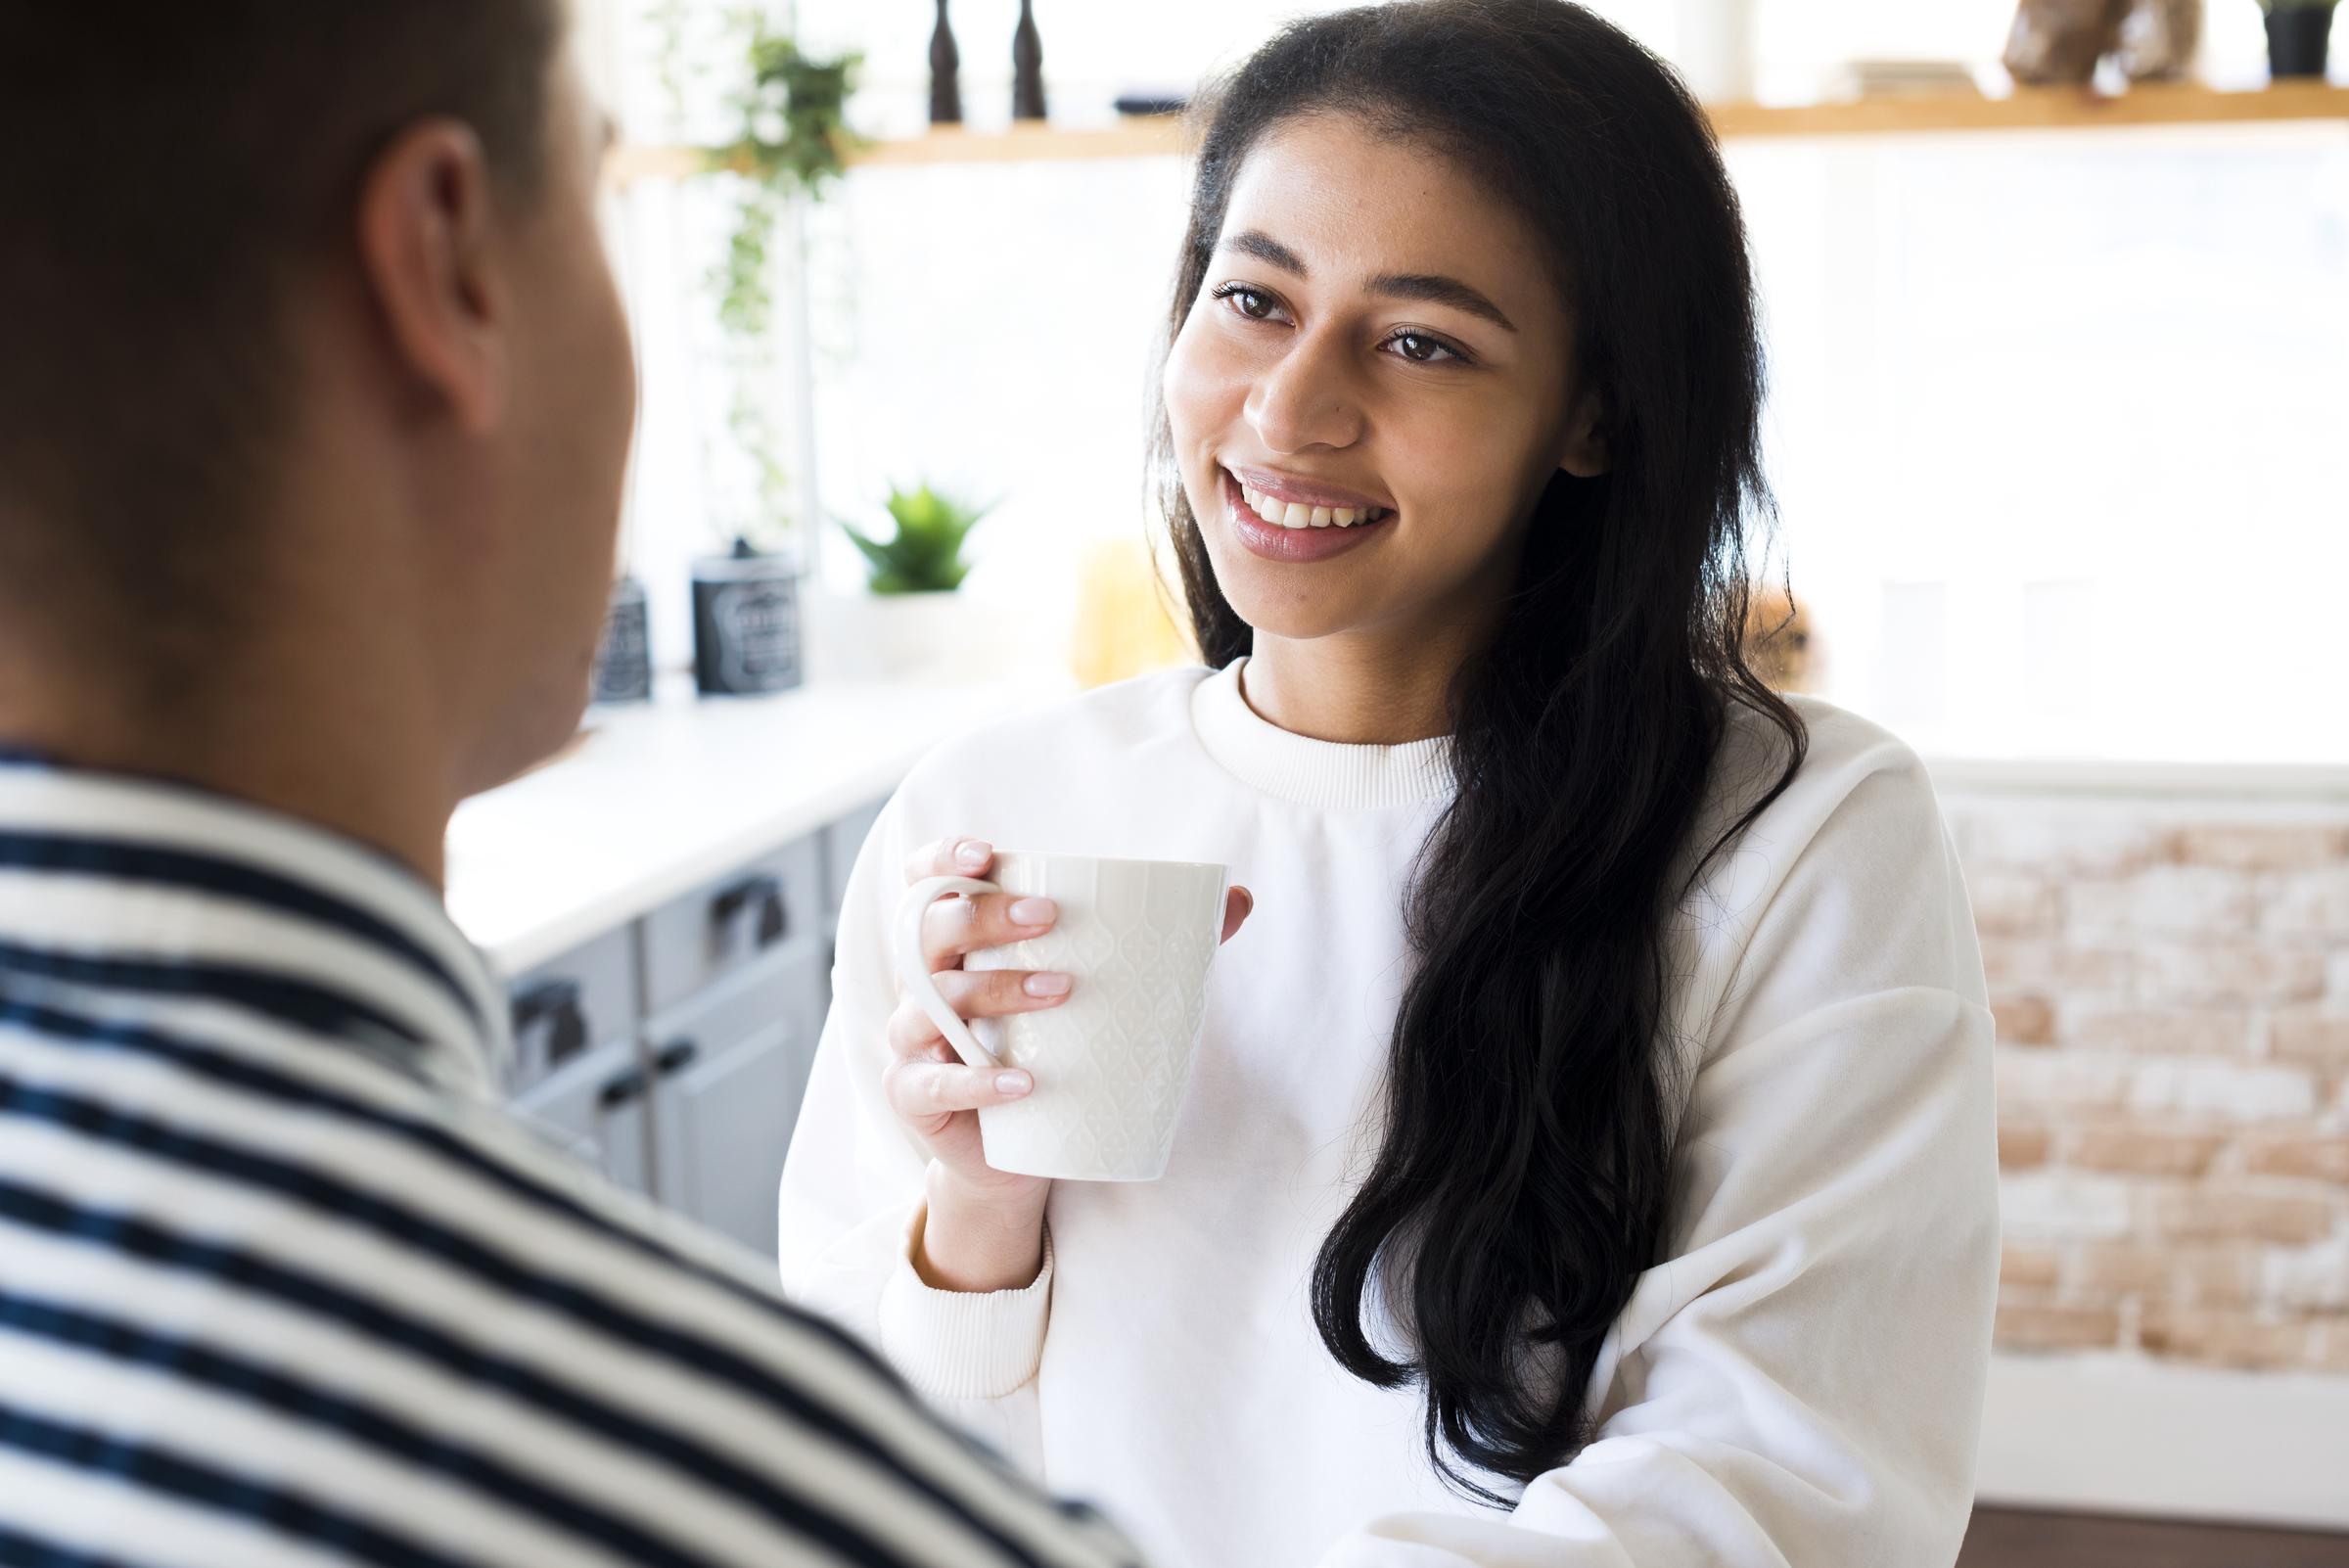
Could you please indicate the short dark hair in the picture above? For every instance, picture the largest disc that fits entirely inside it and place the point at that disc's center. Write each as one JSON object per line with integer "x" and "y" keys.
{"x": 166, "y": 170}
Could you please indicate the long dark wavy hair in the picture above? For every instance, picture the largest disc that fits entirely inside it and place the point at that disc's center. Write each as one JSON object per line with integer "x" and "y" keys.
{"x": 1520, "y": 1185}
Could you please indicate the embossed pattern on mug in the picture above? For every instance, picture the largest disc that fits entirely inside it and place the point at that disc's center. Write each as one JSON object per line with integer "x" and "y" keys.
{"x": 1112, "y": 1062}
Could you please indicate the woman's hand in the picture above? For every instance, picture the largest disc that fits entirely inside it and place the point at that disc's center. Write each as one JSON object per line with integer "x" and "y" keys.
{"x": 984, "y": 1229}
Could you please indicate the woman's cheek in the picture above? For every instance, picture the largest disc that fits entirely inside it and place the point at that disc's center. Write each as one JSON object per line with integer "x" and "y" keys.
{"x": 1189, "y": 383}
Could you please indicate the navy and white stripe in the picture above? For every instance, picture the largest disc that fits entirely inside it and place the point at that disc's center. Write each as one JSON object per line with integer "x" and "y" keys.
{"x": 281, "y": 1284}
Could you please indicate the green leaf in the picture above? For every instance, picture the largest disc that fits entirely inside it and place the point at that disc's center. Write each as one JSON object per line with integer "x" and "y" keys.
{"x": 876, "y": 553}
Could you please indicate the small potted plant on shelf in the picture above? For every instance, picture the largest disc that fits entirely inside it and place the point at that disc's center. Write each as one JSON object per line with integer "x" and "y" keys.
{"x": 912, "y": 616}
{"x": 2299, "y": 32}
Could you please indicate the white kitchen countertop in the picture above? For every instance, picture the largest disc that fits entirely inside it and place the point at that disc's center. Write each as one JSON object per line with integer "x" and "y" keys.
{"x": 659, "y": 796}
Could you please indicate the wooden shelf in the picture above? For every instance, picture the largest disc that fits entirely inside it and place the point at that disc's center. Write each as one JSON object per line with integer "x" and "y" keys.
{"x": 1890, "y": 114}
{"x": 2036, "y": 109}
{"x": 1141, "y": 137}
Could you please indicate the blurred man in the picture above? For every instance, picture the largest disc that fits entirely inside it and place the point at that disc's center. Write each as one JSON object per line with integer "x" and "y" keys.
{"x": 313, "y": 407}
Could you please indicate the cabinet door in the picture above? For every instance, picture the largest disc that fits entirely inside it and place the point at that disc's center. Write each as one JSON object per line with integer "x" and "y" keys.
{"x": 730, "y": 1070}
{"x": 764, "y": 907}
{"x": 594, "y": 1107}
{"x": 585, "y": 997}
{"x": 724, "y": 1124}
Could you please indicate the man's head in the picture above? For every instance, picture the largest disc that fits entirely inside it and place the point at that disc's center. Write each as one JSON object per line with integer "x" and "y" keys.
{"x": 316, "y": 383}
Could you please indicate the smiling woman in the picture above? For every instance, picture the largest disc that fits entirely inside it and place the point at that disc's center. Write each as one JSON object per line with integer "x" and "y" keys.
{"x": 1594, "y": 1117}
{"x": 1360, "y": 339}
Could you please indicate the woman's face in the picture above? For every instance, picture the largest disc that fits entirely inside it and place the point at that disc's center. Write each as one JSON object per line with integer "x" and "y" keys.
{"x": 1371, "y": 322}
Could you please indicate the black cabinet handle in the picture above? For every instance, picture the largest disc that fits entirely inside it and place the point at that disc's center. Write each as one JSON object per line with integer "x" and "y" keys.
{"x": 557, "y": 1003}
{"x": 763, "y": 891}
{"x": 622, "y": 1088}
{"x": 675, "y": 1056}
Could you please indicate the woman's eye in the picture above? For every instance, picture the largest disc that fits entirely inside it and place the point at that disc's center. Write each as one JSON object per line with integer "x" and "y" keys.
{"x": 1430, "y": 348}
{"x": 1242, "y": 292}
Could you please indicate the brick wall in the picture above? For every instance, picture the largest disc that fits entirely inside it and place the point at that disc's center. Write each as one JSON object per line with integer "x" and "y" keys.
{"x": 2171, "y": 981}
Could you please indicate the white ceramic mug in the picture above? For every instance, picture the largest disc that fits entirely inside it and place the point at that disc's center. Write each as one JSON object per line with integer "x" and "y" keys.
{"x": 1112, "y": 1062}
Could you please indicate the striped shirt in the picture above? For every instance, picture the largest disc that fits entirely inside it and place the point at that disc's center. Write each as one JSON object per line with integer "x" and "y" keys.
{"x": 281, "y": 1284}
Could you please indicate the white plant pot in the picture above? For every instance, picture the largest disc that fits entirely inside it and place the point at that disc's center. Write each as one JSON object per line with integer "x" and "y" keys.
{"x": 863, "y": 636}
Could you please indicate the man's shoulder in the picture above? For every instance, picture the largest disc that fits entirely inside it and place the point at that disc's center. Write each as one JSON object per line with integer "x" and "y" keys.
{"x": 405, "y": 1312}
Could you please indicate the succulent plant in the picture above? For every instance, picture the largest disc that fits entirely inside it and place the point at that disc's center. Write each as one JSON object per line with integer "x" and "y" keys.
{"x": 926, "y": 554}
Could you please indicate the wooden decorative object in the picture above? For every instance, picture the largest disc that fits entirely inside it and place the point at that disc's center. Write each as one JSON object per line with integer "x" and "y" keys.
{"x": 2159, "y": 37}
{"x": 2061, "y": 41}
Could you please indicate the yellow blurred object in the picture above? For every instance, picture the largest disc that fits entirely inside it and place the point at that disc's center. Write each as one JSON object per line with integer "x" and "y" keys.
{"x": 1121, "y": 627}
{"x": 1779, "y": 645}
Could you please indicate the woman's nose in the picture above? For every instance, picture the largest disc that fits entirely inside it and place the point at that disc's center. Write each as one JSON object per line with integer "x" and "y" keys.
{"x": 1307, "y": 398}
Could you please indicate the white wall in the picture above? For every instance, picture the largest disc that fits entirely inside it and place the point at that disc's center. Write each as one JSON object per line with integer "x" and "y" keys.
{"x": 2057, "y": 420}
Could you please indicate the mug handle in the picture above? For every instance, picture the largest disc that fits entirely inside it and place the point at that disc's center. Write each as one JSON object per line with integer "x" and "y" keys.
{"x": 914, "y": 971}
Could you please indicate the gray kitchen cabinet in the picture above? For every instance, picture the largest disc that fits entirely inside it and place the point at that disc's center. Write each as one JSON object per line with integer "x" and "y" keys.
{"x": 672, "y": 1052}
{"x": 587, "y": 998}
{"x": 730, "y": 1069}
{"x": 593, "y": 1107}
{"x": 696, "y": 939}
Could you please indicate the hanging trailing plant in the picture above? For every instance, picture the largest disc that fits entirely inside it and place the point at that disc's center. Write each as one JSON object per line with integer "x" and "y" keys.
{"x": 785, "y": 134}
{"x": 791, "y": 135}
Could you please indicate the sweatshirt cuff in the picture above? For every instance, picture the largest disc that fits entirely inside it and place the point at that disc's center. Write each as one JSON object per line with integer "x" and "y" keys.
{"x": 962, "y": 1345}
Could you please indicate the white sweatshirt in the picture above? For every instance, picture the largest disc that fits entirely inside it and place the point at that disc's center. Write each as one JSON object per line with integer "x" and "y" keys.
{"x": 1800, "y": 1383}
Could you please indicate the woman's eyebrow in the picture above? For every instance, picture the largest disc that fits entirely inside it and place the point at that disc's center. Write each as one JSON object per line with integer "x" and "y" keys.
{"x": 1438, "y": 288}
{"x": 1433, "y": 287}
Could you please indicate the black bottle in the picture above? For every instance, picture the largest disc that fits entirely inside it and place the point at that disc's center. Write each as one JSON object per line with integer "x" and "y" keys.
{"x": 946, "y": 92}
{"x": 1028, "y": 67}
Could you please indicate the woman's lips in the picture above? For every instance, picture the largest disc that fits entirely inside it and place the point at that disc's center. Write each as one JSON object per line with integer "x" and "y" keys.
{"x": 1272, "y": 485}
{"x": 1276, "y": 543}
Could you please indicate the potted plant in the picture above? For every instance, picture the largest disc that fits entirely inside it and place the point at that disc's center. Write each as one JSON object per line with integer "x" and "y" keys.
{"x": 2298, "y": 35}
{"x": 913, "y": 616}
{"x": 925, "y": 554}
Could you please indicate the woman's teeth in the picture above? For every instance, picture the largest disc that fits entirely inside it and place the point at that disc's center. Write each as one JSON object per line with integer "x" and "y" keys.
{"x": 1291, "y": 515}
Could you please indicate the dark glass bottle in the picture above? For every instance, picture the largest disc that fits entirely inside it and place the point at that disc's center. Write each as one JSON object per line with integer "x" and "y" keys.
{"x": 1028, "y": 67}
{"x": 945, "y": 91}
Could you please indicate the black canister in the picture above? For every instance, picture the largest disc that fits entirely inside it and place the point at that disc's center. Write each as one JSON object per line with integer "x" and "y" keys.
{"x": 624, "y": 659}
{"x": 746, "y": 623}
{"x": 2299, "y": 37}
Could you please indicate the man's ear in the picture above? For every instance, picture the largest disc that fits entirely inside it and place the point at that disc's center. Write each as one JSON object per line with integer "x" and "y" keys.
{"x": 426, "y": 254}
{"x": 1585, "y": 452}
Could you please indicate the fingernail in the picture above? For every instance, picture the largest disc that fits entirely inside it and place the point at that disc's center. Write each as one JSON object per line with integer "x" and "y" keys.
{"x": 1012, "y": 1084}
{"x": 1034, "y": 911}
{"x": 1046, "y": 984}
{"x": 974, "y": 852}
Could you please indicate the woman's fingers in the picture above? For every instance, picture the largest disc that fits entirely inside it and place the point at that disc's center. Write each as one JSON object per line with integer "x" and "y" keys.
{"x": 959, "y": 923}
{"x": 963, "y": 922}
{"x": 1237, "y": 903}
{"x": 951, "y": 857}
{"x": 975, "y": 993}
{"x": 928, "y": 1092}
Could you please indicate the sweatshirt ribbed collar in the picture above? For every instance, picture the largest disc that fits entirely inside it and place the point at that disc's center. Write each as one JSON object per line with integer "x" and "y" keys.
{"x": 1311, "y": 773}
